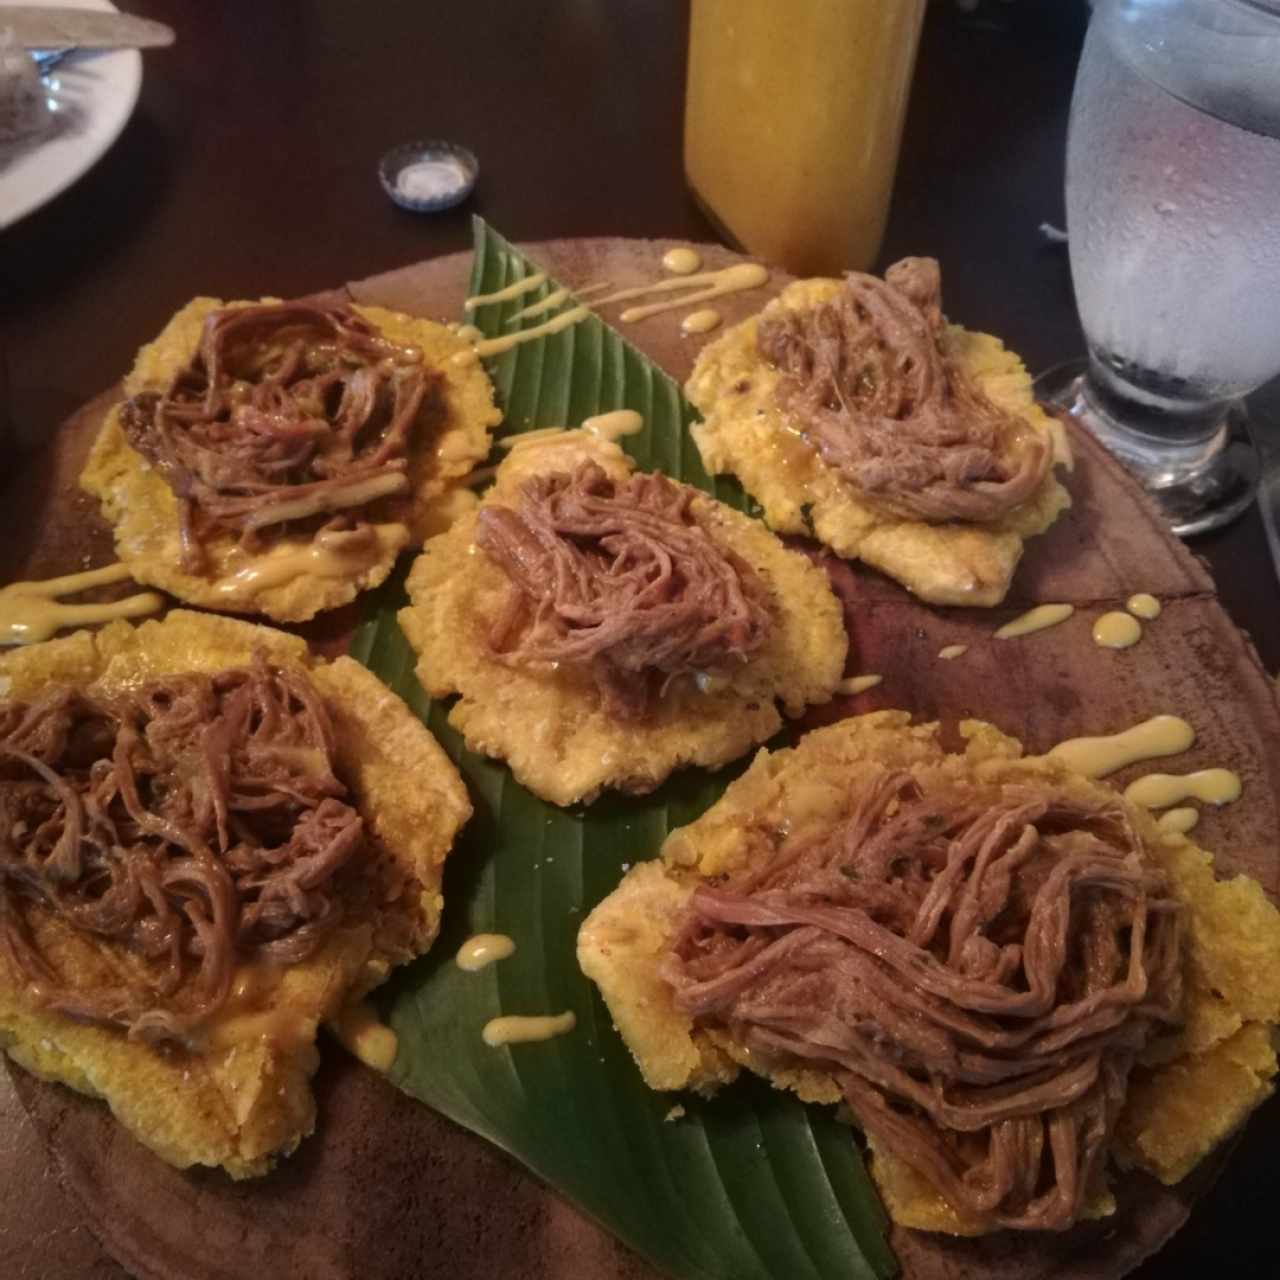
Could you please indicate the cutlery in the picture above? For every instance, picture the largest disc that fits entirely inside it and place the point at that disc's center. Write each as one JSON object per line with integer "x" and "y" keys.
{"x": 45, "y": 28}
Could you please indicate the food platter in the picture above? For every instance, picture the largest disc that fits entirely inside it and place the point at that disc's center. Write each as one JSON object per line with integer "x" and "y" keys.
{"x": 387, "y": 1182}
{"x": 95, "y": 97}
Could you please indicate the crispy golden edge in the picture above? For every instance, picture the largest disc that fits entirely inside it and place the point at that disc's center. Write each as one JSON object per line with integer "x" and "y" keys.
{"x": 745, "y": 432}
{"x": 619, "y": 946}
{"x": 550, "y": 727}
{"x": 911, "y": 1200}
{"x": 143, "y": 510}
{"x": 248, "y": 1101}
{"x": 1197, "y": 1083}
{"x": 1174, "y": 1117}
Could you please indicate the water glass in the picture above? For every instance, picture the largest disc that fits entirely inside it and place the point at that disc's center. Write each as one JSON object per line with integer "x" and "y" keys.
{"x": 1173, "y": 187}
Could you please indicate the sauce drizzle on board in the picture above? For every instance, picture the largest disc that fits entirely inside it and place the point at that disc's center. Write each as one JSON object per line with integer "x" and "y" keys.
{"x": 1037, "y": 619}
{"x": 1143, "y": 605}
{"x": 1100, "y": 756}
{"x": 694, "y": 286}
{"x": 31, "y": 612}
{"x": 551, "y": 301}
{"x": 700, "y": 321}
{"x": 735, "y": 279}
{"x": 1116, "y": 630}
{"x": 1160, "y": 790}
{"x": 681, "y": 261}
{"x": 858, "y": 684}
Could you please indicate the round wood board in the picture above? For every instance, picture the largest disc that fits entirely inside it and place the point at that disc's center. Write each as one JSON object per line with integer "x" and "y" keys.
{"x": 386, "y": 1188}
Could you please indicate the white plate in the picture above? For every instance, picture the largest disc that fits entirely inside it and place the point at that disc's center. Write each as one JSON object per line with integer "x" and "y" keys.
{"x": 94, "y": 99}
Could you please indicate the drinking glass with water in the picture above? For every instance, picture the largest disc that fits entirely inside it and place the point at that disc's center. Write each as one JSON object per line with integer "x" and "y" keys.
{"x": 1173, "y": 213}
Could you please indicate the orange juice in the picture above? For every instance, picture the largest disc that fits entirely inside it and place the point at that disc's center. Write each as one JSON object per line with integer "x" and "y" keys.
{"x": 792, "y": 123}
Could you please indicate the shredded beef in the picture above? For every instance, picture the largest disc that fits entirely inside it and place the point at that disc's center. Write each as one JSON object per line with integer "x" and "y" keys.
{"x": 977, "y": 972}
{"x": 285, "y": 413}
{"x": 622, "y": 580}
{"x": 872, "y": 389}
{"x": 195, "y": 822}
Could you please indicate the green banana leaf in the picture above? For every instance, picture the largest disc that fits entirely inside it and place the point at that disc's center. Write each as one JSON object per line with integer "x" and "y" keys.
{"x": 750, "y": 1184}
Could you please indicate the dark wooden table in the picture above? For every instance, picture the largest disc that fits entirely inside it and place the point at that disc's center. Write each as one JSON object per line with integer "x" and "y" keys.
{"x": 249, "y": 168}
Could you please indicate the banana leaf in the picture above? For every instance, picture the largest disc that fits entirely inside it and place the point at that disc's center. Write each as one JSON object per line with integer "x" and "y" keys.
{"x": 748, "y": 1185}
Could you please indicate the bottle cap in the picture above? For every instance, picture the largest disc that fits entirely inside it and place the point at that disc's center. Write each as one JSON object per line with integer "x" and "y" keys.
{"x": 427, "y": 177}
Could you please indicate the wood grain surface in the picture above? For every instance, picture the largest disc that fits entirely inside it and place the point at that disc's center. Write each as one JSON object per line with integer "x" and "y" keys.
{"x": 386, "y": 1188}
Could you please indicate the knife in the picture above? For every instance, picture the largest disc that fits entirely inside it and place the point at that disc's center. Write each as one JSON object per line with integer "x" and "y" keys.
{"x": 43, "y": 27}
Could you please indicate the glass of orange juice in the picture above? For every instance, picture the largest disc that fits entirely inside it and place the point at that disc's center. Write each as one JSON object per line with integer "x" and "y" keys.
{"x": 793, "y": 118}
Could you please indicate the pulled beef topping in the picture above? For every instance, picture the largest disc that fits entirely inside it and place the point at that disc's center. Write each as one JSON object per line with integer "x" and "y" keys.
{"x": 977, "y": 971}
{"x": 195, "y": 822}
{"x": 285, "y": 413}
{"x": 875, "y": 394}
{"x": 622, "y": 580}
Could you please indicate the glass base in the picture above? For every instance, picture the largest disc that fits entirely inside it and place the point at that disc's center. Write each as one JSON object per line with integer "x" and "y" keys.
{"x": 1199, "y": 486}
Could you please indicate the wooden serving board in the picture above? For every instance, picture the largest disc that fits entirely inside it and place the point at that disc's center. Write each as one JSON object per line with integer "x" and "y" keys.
{"x": 386, "y": 1188}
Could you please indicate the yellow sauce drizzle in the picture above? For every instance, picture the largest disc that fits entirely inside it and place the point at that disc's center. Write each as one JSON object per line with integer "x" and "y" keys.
{"x": 527, "y": 285}
{"x": 953, "y": 651}
{"x": 858, "y": 684}
{"x": 1143, "y": 605}
{"x": 482, "y": 950}
{"x": 1097, "y": 757}
{"x": 1160, "y": 790}
{"x": 1117, "y": 630}
{"x": 700, "y": 321}
{"x": 335, "y": 553}
{"x": 30, "y": 611}
{"x": 366, "y": 1036}
{"x": 549, "y": 303}
{"x": 613, "y": 426}
{"x": 1037, "y": 619}
{"x": 745, "y": 275}
{"x": 518, "y": 1030}
{"x": 681, "y": 261}
{"x": 1178, "y": 821}
{"x": 495, "y": 346}
{"x": 469, "y": 333}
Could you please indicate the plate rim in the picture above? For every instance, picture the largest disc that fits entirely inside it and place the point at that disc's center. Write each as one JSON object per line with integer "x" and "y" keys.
{"x": 122, "y": 97}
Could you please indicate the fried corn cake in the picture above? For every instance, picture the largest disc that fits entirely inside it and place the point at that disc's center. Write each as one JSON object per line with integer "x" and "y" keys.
{"x": 232, "y": 1088}
{"x": 1197, "y": 1076}
{"x": 291, "y": 570}
{"x": 750, "y": 431}
{"x": 552, "y": 720}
